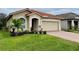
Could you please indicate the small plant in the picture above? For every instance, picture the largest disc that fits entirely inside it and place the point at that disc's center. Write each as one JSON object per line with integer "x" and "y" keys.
{"x": 78, "y": 29}
{"x": 19, "y": 30}
{"x": 72, "y": 28}
{"x": 44, "y": 32}
{"x": 40, "y": 32}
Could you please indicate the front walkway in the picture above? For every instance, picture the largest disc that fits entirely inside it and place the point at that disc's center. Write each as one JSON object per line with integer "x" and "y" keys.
{"x": 66, "y": 35}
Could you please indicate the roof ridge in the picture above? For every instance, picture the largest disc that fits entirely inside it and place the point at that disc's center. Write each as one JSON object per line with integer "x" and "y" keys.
{"x": 42, "y": 12}
{"x": 67, "y": 13}
{"x": 19, "y": 11}
{"x": 35, "y": 11}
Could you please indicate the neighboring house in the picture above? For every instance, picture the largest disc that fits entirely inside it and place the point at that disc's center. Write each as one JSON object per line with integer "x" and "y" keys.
{"x": 34, "y": 19}
{"x": 69, "y": 21}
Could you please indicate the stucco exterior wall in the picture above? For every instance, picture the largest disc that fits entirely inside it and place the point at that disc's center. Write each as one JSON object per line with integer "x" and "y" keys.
{"x": 64, "y": 25}
{"x": 19, "y": 15}
{"x": 50, "y": 20}
{"x": 9, "y": 22}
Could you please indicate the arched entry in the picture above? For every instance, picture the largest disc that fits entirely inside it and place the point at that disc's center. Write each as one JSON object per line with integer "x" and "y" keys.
{"x": 34, "y": 24}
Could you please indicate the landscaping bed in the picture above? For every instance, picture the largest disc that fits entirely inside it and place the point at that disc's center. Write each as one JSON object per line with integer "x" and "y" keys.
{"x": 74, "y": 31}
{"x": 27, "y": 32}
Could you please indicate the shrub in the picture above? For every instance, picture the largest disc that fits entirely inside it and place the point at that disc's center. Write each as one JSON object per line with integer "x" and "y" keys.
{"x": 13, "y": 33}
{"x": 35, "y": 32}
{"x": 40, "y": 32}
{"x": 78, "y": 29}
{"x": 44, "y": 32}
{"x": 19, "y": 30}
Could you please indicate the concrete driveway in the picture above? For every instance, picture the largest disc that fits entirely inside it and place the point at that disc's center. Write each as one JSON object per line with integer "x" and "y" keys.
{"x": 66, "y": 35}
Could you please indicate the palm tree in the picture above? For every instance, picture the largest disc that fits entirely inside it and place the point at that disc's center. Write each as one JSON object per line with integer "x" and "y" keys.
{"x": 17, "y": 23}
{"x": 2, "y": 20}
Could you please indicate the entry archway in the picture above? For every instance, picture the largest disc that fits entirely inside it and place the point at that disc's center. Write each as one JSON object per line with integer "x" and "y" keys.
{"x": 34, "y": 24}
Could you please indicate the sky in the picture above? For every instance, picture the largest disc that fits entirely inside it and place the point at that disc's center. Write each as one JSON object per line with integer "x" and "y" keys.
{"x": 47, "y": 10}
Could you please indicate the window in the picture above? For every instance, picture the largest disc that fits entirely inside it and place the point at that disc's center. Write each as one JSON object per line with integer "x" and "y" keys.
{"x": 23, "y": 22}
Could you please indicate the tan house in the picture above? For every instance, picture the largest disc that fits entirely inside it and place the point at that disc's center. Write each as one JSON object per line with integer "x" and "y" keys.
{"x": 34, "y": 19}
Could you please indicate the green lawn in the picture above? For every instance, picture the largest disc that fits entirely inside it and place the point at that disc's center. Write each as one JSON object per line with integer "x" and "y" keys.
{"x": 34, "y": 42}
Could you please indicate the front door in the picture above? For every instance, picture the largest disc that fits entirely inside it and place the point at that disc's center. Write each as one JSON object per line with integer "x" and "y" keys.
{"x": 34, "y": 24}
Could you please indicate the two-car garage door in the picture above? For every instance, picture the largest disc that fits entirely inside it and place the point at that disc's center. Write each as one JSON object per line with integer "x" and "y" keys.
{"x": 50, "y": 25}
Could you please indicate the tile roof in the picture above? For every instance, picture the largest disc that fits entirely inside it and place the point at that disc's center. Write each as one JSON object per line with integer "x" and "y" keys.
{"x": 45, "y": 15}
{"x": 68, "y": 15}
{"x": 31, "y": 11}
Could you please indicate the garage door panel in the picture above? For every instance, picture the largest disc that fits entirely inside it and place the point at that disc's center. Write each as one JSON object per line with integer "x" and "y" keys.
{"x": 50, "y": 26}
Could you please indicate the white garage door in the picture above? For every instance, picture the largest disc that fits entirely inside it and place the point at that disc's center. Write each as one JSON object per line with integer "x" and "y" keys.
{"x": 50, "y": 26}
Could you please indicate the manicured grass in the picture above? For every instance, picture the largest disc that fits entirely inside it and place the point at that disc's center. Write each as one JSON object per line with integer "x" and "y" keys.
{"x": 34, "y": 42}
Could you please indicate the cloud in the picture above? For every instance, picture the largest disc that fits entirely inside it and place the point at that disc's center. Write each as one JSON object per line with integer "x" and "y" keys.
{"x": 8, "y": 10}
{"x": 64, "y": 10}
{"x": 47, "y": 10}
{"x": 55, "y": 10}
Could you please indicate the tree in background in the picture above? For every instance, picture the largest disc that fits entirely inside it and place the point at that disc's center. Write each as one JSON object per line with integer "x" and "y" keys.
{"x": 2, "y": 20}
